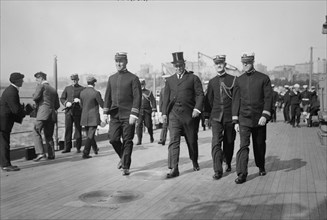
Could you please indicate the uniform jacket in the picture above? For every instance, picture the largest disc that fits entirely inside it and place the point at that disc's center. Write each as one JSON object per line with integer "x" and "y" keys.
{"x": 295, "y": 98}
{"x": 274, "y": 98}
{"x": 186, "y": 92}
{"x": 47, "y": 102}
{"x": 10, "y": 109}
{"x": 287, "y": 99}
{"x": 90, "y": 101}
{"x": 305, "y": 97}
{"x": 149, "y": 104}
{"x": 252, "y": 98}
{"x": 218, "y": 100}
{"x": 68, "y": 95}
{"x": 123, "y": 95}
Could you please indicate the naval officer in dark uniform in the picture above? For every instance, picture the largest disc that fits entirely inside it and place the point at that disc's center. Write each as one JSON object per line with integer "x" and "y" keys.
{"x": 218, "y": 104}
{"x": 251, "y": 110}
{"x": 183, "y": 101}
{"x": 122, "y": 102}
{"x": 70, "y": 98}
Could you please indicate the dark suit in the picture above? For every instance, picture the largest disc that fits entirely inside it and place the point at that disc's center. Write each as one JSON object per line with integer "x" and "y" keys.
{"x": 252, "y": 99}
{"x": 295, "y": 100}
{"x": 90, "y": 101}
{"x": 122, "y": 99}
{"x": 286, "y": 110}
{"x": 273, "y": 106}
{"x": 147, "y": 107}
{"x": 218, "y": 104}
{"x": 72, "y": 115}
{"x": 182, "y": 96}
{"x": 47, "y": 103}
{"x": 11, "y": 111}
{"x": 163, "y": 134}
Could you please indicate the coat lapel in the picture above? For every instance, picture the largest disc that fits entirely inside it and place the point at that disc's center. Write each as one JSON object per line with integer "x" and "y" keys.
{"x": 180, "y": 81}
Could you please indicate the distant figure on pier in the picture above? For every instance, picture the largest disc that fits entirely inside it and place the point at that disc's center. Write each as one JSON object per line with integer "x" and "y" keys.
{"x": 274, "y": 104}
{"x": 251, "y": 108}
{"x": 183, "y": 103}
{"x": 147, "y": 112}
{"x": 70, "y": 98}
{"x": 122, "y": 104}
{"x": 11, "y": 111}
{"x": 47, "y": 104}
{"x": 90, "y": 101}
{"x": 287, "y": 104}
{"x": 295, "y": 100}
{"x": 218, "y": 106}
{"x": 164, "y": 130}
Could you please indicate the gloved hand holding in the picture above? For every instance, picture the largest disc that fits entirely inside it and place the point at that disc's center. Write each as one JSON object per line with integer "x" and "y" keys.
{"x": 153, "y": 114}
{"x": 262, "y": 121}
{"x": 195, "y": 114}
{"x": 77, "y": 100}
{"x": 132, "y": 120}
{"x": 68, "y": 104}
{"x": 237, "y": 127}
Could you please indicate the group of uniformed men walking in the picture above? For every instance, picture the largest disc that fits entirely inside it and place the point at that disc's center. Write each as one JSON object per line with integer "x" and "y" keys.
{"x": 232, "y": 104}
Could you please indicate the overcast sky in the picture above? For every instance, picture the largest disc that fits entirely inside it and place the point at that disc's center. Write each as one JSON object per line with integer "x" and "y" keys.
{"x": 85, "y": 35}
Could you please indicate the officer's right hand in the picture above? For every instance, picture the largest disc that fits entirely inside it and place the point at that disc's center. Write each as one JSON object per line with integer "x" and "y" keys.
{"x": 237, "y": 127}
{"x": 132, "y": 120}
{"x": 68, "y": 104}
{"x": 164, "y": 119}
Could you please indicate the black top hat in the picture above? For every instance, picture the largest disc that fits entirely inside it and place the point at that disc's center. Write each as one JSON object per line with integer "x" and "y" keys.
{"x": 178, "y": 57}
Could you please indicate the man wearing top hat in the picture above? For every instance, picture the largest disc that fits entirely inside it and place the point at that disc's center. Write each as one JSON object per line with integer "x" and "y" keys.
{"x": 218, "y": 105}
{"x": 122, "y": 104}
{"x": 251, "y": 110}
{"x": 90, "y": 100}
{"x": 11, "y": 111}
{"x": 70, "y": 98}
{"x": 182, "y": 106}
{"x": 47, "y": 104}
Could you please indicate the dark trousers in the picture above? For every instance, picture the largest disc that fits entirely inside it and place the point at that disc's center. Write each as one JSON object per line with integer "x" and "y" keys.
{"x": 163, "y": 134}
{"x": 178, "y": 126}
{"x": 296, "y": 114}
{"x": 147, "y": 121}
{"x": 5, "y": 149}
{"x": 273, "y": 114}
{"x": 120, "y": 128}
{"x": 90, "y": 141}
{"x": 48, "y": 128}
{"x": 259, "y": 148}
{"x": 222, "y": 134}
{"x": 69, "y": 121}
{"x": 286, "y": 112}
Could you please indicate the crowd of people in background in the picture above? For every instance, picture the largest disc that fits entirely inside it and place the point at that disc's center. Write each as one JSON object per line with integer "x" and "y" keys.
{"x": 227, "y": 104}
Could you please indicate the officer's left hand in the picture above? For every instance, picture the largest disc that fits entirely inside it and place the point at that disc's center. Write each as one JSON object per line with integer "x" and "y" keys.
{"x": 195, "y": 114}
{"x": 262, "y": 121}
{"x": 132, "y": 120}
{"x": 76, "y": 100}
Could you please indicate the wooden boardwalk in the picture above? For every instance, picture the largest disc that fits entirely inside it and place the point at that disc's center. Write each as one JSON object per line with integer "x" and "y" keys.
{"x": 69, "y": 187}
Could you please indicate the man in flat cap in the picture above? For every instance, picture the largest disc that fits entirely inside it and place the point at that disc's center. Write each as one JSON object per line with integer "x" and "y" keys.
{"x": 164, "y": 130}
{"x": 286, "y": 101}
{"x": 182, "y": 106}
{"x": 11, "y": 111}
{"x": 122, "y": 102}
{"x": 147, "y": 111}
{"x": 218, "y": 106}
{"x": 295, "y": 101}
{"x": 251, "y": 110}
{"x": 90, "y": 100}
{"x": 70, "y": 98}
{"x": 47, "y": 104}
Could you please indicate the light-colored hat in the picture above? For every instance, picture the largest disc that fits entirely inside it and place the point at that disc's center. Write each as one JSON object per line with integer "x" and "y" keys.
{"x": 142, "y": 81}
{"x": 286, "y": 86}
{"x": 219, "y": 59}
{"x": 247, "y": 57}
{"x": 296, "y": 85}
{"x": 305, "y": 86}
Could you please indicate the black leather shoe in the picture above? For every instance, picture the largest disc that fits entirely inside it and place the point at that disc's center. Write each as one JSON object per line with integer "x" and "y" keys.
{"x": 229, "y": 168}
{"x": 65, "y": 151}
{"x": 240, "y": 180}
{"x": 51, "y": 158}
{"x": 10, "y": 168}
{"x": 161, "y": 142}
{"x": 126, "y": 172}
{"x": 77, "y": 151}
{"x": 86, "y": 156}
{"x": 262, "y": 172}
{"x": 96, "y": 151}
{"x": 138, "y": 143}
{"x": 39, "y": 157}
{"x": 119, "y": 165}
{"x": 217, "y": 176}
{"x": 151, "y": 139}
{"x": 173, "y": 173}
{"x": 196, "y": 166}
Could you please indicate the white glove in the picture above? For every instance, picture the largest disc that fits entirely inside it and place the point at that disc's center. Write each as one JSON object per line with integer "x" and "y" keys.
{"x": 68, "y": 104}
{"x": 77, "y": 100}
{"x": 237, "y": 127}
{"x": 262, "y": 121}
{"x": 153, "y": 114}
{"x": 132, "y": 120}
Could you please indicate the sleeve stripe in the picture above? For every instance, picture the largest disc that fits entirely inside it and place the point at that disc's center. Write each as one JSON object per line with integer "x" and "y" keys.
{"x": 266, "y": 112}
{"x": 235, "y": 117}
{"x": 135, "y": 110}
